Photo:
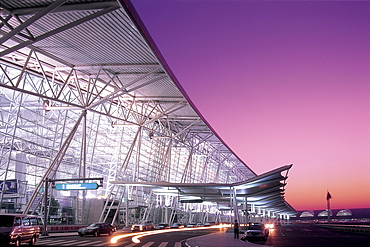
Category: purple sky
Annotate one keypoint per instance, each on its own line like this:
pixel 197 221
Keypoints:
pixel 281 82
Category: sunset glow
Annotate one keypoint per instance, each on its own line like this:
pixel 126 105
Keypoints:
pixel 282 82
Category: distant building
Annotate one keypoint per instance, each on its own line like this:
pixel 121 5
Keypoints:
pixel 355 215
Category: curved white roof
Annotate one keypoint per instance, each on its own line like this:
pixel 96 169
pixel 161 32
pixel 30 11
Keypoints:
pixel 102 50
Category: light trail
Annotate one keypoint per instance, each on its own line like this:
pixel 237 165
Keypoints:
pixel 135 236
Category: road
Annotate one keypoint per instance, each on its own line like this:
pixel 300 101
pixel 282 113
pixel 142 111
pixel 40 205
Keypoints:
pixel 166 239
pixel 310 235
pixel 285 236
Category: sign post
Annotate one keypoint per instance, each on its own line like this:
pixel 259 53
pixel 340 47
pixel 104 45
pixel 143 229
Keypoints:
pixel 66 186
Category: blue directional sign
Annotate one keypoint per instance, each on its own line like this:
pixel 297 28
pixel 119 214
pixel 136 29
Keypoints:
pixel 77 186
pixel 10 186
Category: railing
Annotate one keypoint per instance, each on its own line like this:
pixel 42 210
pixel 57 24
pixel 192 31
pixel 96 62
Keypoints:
pixel 343 227
pixel 62 228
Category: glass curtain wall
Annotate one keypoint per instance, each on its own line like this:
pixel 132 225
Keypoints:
pixel 70 143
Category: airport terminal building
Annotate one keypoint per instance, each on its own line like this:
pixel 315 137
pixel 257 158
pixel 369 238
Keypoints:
pixel 95 127
pixel 352 215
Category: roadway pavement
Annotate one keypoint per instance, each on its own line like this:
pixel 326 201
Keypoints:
pixel 219 239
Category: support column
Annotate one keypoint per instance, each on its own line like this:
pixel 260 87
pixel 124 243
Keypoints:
pixel 235 204
pixel 46 208
pixel 253 212
pixel 127 208
pixel 246 210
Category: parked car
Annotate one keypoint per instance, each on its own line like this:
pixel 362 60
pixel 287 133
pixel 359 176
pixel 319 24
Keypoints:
pixel 145 225
pixel 212 223
pixel 256 231
pixel 19 228
pixel 191 225
pixel 161 226
pixel 96 229
pixel 177 225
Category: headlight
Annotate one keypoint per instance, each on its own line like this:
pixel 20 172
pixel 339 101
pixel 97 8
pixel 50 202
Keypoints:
pixel 270 226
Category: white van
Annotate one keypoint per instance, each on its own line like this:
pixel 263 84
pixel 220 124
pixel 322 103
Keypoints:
pixel 19 228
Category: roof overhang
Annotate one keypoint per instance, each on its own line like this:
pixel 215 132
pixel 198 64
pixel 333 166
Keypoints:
pixel 265 191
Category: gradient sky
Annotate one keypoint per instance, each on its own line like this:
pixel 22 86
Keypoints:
pixel 282 82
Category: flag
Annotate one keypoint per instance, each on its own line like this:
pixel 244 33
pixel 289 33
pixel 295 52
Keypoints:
pixel 328 196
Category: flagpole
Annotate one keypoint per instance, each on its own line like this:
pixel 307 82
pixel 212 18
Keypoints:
pixel 328 196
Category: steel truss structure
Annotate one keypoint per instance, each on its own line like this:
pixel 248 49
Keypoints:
pixel 84 94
